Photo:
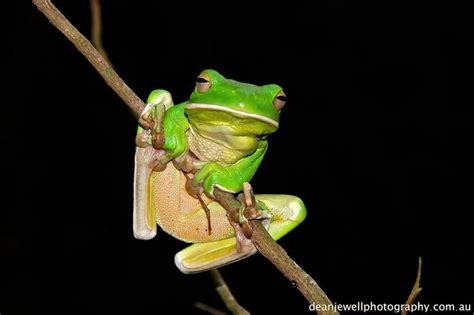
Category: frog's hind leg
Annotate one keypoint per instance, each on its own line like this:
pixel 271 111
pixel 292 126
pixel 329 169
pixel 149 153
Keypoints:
pixel 144 222
pixel 205 256
pixel 287 213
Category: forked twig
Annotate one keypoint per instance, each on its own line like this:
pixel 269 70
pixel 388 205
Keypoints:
pixel 221 286
pixel 279 257
pixel 226 295
pixel 260 237
pixel 134 103
pixel 96 29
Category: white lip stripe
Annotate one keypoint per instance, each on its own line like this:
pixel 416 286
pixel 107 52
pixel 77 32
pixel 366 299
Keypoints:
pixel 230 110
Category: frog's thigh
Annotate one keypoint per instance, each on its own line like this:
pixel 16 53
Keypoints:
pixel 287 213
pixel 205 256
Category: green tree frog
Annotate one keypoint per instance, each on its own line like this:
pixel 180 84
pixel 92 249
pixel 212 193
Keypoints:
pixel 215 139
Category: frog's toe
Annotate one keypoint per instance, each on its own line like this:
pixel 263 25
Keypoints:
pixel 205 256
pixel 146 118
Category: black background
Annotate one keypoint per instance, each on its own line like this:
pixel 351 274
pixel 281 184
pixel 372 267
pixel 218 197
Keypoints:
pixel 375 138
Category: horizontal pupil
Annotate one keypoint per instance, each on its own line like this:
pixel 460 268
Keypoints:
pixel 281 98
pixel 201 80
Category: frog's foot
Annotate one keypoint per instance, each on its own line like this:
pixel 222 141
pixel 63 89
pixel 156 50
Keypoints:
pixel 146 117
pixel 251 210
pixel 192 189
pixel 142 138
pixel 186 162
pixel 205 256
pixel 146 160
pixel 243 242
pixel 197 192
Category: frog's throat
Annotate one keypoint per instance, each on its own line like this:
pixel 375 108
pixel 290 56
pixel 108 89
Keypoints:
pixel 234 112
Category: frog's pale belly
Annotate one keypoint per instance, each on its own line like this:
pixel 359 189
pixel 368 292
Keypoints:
pixel 181 215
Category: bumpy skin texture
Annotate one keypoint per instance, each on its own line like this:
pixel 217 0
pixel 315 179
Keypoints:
pixel 231 178
pixel 224 126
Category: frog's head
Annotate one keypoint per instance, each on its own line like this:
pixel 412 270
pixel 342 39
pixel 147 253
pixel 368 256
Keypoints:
pixel 247 108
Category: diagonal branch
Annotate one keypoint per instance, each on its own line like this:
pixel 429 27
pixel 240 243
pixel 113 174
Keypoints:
pixel 98 62
pixel 279 257
pixel 260 237
pixel 221 286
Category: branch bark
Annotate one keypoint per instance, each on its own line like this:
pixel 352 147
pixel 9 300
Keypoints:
pixel 288 267
pixel 279 257
pixel 260 237
pixel 208 309
pixel 220 285
pixel 112 79
pixel 226 295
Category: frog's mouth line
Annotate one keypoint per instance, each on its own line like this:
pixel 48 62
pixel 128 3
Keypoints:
pixel 234 112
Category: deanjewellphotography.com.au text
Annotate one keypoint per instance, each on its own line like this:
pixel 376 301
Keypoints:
pixel 386 307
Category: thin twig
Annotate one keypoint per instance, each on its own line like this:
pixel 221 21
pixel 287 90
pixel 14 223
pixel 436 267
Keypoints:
pixel 414 292
pixel 278 257
pixel 209 309
pixel 226 295
pixel 134 103
pixel 262 240
pixel 96 29
pixel 221 286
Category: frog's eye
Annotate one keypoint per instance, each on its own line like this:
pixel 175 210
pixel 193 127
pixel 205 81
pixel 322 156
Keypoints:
pixel 279 101
pixel 203 82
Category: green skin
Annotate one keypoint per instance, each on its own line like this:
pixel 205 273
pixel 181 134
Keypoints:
pixel 225 126
pixel 259 119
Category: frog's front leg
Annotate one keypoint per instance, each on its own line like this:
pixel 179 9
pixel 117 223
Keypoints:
pixel 168 126
pixel 286 211
pixel 232 177
pixel 153 116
